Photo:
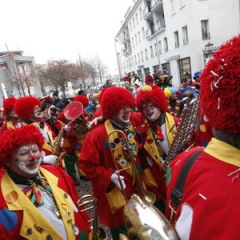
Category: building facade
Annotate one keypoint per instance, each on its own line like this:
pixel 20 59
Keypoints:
pixel 180 35
pixel 17 76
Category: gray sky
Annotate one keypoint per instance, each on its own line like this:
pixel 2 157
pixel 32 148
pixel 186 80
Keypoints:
pixel 62 29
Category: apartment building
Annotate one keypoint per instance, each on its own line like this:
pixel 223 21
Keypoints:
pixel 180 35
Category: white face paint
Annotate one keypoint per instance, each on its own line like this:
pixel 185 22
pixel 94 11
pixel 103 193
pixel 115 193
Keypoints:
pixel 36 113
pixel 26 160
pixel 123 115
pixel 151 112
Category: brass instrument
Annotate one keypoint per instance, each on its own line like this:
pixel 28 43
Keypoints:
pixel 80 128
pixel 57 149
pixel 89 202
pixel 121 142
pixel 142 220
pixel 184 135
pixel 73 111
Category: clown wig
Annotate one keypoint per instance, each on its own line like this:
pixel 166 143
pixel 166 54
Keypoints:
pixel 153 94
pixel 13 139
pixel 113 99
pixel 8 104
pixel 82 99
pixel 220 88
pixel 24 106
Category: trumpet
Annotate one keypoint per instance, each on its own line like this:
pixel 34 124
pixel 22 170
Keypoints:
pixel 142 220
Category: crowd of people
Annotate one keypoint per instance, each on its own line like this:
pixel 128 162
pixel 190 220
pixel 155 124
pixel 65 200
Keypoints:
pixel 119 140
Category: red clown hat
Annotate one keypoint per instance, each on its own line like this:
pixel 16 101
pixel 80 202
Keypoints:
pixel 25 105
pixel 220 88
pixel 113 99
pixel 11 140
pixel 8 104
pixel 153 94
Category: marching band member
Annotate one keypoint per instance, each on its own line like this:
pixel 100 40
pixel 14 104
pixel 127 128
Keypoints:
pixel 11 119
pixel 100 164
pixel 211 191
pixel 73 135
pixel 36 201
pixel 155 127
pixel 28 109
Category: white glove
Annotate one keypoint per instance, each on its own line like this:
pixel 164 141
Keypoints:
pixel 95 122
pixel 67 128
pixel 116 180
pixel 50 159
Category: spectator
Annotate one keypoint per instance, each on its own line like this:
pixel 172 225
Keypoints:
pixel 149 79
pixel 56 99
pixel 185 81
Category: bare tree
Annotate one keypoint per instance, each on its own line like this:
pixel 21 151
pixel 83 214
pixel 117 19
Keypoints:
pixel 101 68
pixel 59 72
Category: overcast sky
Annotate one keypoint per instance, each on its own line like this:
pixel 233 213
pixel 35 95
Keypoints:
pixel 62 29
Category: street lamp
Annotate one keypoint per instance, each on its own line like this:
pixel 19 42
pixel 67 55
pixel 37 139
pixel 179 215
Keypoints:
pixel 208 48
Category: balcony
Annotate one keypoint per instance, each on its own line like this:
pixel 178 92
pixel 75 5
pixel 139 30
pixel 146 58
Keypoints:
pixel 185 41
pixel 206 35
pixel 159 26
pixel 147 13
pixel 156 5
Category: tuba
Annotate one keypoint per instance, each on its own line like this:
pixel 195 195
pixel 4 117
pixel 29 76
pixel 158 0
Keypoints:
pixel 142 220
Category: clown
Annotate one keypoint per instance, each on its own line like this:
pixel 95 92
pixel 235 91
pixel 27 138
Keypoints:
pixel 155 127
pixel 28 109
pixel 11 118
pixel 99 163
pixel 73 139
pixel 36 201
pixel 211 190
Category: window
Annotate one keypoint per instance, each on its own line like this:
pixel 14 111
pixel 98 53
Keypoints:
pixel 160 47
pixel 151 51
pixel 146 54
pixel 142 56
pixel 136 39
pixel 136 18
pixel 135 57
pixel 184 66
pixel 133 42
pixel 205 29
pixel 155 49
pixel 133 22
pixel 165 44
pixel 176 39
pixel 138 58
pixel 185 34
pixel 143 33
pixel 140 13
pixel 139 37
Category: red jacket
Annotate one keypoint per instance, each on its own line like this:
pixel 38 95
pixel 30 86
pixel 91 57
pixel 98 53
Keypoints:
pixel 22 220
